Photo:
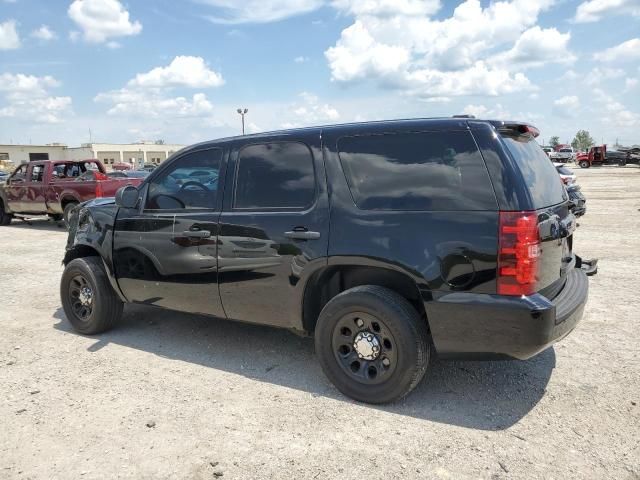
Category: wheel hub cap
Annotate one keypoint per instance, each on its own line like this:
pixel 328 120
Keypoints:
pixel 85 297
pixel 366 345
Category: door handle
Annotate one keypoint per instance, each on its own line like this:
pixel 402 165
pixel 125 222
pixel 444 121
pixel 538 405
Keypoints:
pixel 302 235
pixel 197 233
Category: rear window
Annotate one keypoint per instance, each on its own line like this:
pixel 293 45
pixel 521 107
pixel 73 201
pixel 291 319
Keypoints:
pixel 441 171
pixel 539 173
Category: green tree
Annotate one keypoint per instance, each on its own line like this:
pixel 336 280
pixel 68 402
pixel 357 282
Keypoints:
pixel 582 141
pixel 554 141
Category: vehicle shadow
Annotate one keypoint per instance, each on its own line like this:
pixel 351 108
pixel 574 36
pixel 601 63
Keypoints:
pixel 490 395
pixel 37 223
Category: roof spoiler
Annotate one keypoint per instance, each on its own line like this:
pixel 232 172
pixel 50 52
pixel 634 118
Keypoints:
pixel 521 128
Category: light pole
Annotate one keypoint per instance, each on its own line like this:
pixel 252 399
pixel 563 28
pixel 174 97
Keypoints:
pixel 242 113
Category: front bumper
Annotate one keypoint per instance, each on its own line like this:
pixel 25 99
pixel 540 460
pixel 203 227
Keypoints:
pixel 470 325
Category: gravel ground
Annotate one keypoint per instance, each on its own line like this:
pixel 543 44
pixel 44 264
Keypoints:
pixel 169 395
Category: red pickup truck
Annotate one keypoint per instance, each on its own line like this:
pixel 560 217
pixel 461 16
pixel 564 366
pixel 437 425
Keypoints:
pixel 53 188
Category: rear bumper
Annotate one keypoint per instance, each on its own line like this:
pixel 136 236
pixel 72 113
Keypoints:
pixel 469 325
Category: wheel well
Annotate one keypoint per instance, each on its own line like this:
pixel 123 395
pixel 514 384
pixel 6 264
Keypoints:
pixel 79 251
pixel 331 281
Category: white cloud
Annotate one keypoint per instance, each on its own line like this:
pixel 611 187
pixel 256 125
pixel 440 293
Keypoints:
pixel 149 94
pixel 566 106
pixel 44 33
pixel 184 71
pixel 9 39
pixel 301 59
pixel 27 97
pixel 310 111
pixel 259 11
pixel 101 20
pixel 476 51
pixel 481 111
pixel 597 75
pixel 537 47
pixel 388 7
pixel 152 103
pixel 594 10
pixel 630 83
pixel 629 50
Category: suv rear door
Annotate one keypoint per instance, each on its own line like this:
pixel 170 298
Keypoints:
pixel 273 227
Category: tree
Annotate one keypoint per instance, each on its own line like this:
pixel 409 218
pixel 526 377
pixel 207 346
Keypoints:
pixel 582 141
pixel 554 141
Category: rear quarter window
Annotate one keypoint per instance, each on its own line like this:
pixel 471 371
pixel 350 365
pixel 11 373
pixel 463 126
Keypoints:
pixel 539 174
pixel 436 171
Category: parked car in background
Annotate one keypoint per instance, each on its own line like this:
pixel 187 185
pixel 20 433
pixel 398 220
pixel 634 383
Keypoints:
pixel 577 199
pixel 601 155
pixel 566 174
pixel 563 155
pixel 431 243
pixel 50 187
pixel 128 174
pixel 121 166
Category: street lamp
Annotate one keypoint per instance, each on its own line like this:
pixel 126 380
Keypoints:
pixel 242 113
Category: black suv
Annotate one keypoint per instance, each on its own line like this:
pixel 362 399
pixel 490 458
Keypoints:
pixel 388 241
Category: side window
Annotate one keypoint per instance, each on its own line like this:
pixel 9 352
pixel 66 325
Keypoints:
pixel 416 171
pixel 20 174
pixel 275 176
pixel 37 172
pixel 191 182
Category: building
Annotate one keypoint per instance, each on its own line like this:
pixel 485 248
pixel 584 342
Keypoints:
pixel 134 154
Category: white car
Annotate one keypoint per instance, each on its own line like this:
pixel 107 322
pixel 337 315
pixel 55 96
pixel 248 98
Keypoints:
pixel 566 175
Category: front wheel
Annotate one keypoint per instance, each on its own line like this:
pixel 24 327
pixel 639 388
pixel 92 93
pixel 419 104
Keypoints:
pixel 372 344
pixel 66 214
pixel 89 302
pixel 584 164
pixel 5 218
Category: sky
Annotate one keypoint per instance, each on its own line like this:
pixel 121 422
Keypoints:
pixel 177 70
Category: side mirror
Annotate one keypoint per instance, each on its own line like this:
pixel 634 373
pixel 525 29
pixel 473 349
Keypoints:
pixel 127 197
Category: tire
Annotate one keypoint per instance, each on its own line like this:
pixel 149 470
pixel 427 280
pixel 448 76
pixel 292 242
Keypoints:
pixel 5 218
pixel 103 309
pixel 401 338
pixel 67 212
pixel 584 164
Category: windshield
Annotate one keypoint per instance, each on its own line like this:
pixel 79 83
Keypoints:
pixel 538 172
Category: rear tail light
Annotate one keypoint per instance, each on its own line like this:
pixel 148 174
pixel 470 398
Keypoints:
pixel 518 253
pixel 99 191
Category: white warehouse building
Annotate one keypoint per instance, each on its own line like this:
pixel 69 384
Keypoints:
pixel 134 154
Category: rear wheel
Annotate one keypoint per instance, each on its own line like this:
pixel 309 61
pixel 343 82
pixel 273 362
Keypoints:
pixel 584 164
pixel 89 302
pixel 372 344
pixel 67 212
pixel 5 218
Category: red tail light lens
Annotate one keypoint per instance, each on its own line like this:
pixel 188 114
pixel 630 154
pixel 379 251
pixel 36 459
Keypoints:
pixel 99 192
pixel 518 252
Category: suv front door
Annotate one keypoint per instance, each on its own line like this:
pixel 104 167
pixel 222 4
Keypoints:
pixel 274 228
pixel 165 250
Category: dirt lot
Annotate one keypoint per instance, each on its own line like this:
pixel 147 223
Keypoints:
pixel 169 395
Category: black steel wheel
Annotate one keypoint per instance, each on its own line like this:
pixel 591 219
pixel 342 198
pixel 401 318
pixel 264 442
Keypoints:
pixel 372 344
pixel 89 302
pixel 81 297
pixel 365 347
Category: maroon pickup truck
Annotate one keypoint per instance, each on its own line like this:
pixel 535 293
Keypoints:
pixel 54 187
